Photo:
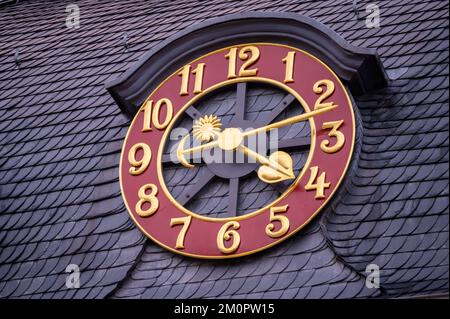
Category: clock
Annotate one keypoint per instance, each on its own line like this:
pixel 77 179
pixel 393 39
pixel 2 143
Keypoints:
pixel 237 150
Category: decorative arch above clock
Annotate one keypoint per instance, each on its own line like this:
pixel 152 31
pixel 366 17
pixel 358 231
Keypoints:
pixel 359 68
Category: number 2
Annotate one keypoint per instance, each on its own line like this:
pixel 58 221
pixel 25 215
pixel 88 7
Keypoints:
pixel 318 89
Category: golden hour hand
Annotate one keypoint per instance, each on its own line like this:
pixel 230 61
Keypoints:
pixel 276 168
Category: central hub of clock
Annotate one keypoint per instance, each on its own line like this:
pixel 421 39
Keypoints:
pixel 230 139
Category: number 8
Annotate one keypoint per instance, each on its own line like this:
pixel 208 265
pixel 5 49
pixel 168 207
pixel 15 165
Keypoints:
pixel 147 198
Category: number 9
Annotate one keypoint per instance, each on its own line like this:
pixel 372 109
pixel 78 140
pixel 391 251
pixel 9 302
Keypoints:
pixel 139 166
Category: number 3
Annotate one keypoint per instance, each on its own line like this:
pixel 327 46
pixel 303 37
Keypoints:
pixel 340 137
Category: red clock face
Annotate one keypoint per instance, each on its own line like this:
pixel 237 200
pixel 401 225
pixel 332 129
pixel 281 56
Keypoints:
pixel 237 150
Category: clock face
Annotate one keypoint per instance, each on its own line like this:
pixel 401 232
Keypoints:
pixel 237 150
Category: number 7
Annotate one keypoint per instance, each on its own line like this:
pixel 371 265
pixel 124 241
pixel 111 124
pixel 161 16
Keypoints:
pixel 185 221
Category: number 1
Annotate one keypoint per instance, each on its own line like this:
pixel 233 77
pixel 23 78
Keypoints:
pixel 289 61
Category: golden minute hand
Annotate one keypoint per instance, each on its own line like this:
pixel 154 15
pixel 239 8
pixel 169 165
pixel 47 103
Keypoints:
pixel 288 121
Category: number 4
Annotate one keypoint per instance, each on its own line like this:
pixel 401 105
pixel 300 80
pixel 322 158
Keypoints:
pixel 320 185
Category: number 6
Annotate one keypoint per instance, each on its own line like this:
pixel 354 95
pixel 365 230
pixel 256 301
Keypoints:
pixel 226 234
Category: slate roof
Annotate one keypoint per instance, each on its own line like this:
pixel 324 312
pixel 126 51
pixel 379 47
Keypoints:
pixel 61 135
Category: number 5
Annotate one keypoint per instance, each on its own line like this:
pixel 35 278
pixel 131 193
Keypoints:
pixel 283 220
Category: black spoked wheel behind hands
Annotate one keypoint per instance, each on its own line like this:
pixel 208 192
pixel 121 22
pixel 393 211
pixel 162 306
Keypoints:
pixel 226 189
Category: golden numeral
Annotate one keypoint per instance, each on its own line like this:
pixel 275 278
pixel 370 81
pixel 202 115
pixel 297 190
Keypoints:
pixel 139 166
pixel 320 185
pixel 147 198
pixel 250 60
pixel 198 72
pixel 283 220
pixel 231 56
pixel 289 61
pixel 152 114
pixel 185 221
pixel 317 88
pixel 340 137
pixel 185 72
pixel 225 235
pixel 249 54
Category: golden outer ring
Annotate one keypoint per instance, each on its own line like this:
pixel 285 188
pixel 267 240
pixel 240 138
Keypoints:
pixel 282 238
pixel 199 96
